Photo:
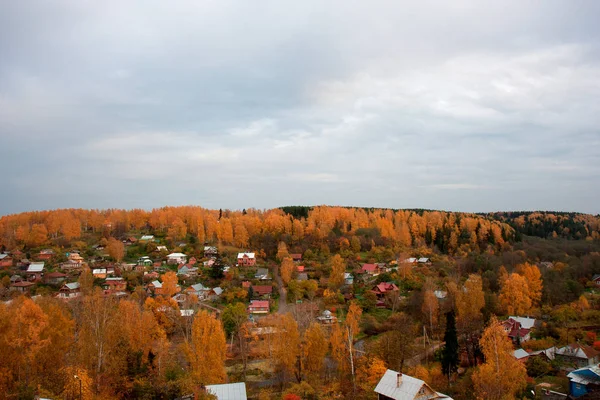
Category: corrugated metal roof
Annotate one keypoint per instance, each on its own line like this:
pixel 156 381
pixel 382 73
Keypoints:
pixel 407 390
pixel 36 267
pixel 228 391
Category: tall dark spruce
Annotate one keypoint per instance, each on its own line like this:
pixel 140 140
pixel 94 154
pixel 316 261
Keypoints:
pixel 450 351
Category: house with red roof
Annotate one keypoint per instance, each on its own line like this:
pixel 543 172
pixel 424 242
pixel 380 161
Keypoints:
pixel 258 307
pixel 264 291
pixel 370 269
pixel 385 287
pixel 515 329
pixel 297 257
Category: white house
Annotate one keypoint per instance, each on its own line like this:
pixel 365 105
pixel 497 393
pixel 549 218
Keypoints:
pixel 228 391
pixel 176 258
pixel 397 386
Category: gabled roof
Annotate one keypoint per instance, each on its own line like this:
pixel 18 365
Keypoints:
pixel 423 260
pixel 520 353
pixel 407 390
pixel 99 271
pixel 577 350
pixel 586 375
pixel 35 267
pixel 369 267
pixel 242 255
pixel 259 303
pixel 72 285
pixel 525 322
pixel 218 291
pixel 303 276
pixel 22 284
pixel 262 289
pixel 157 284
pixel 55 274
pixel 228 391
pixel 596 277
pixel 3 256
pixel 198 287
pixel 176 255
pixel 147 237
pixel 386 286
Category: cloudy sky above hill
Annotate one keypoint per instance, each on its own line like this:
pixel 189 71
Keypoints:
pixel 461 105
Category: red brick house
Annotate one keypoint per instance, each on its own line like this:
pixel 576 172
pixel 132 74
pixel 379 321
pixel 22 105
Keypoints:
pixel 246 259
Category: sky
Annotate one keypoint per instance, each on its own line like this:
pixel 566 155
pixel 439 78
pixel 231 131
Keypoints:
pixel 461 105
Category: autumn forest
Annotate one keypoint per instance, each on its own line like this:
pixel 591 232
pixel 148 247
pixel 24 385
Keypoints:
pixel 296 302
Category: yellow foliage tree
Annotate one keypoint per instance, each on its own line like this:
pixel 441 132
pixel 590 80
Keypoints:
pixel 514 295
pixel 338 267
pixel 206 350
pixel 287 269
pixel 501 377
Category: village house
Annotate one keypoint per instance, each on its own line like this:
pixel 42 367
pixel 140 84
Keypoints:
pixel 383 288
pixel 114 285
pixel 348 278
pixel 262 274
pixel 74 261
pixel 45 254
pixel 296 257
pixel 585 380
pixel 99 273
pixel 69 291
pixel 302 277
pixel 521 355
pixel 22 286
pixel 210 251
pixel 300 268
pixel 162 248
pixel 199 290
pixel 262 291
pixel 228 391
pixel 145 261
pixel 518 328
pixel 596 280
pixel 176 258
pixel 397 386
pixel 370 269
pixel 327 318
pixel 35 271
pixel 578 355
pixel 246 259
pixel 258 307
pixel 186 271
pixel 423 260
pixel 54 278
pixel 147 238
pixel 410 260
pixel 155 287
pixel 6 261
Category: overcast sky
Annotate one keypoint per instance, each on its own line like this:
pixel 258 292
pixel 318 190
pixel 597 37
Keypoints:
pixel 457 105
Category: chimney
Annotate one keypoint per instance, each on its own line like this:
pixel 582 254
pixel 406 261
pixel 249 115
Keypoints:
pixel 399 379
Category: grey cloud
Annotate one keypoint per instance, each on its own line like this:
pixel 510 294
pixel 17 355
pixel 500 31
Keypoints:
pixel 468 105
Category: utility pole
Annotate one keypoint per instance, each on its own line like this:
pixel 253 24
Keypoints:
pixel 80 387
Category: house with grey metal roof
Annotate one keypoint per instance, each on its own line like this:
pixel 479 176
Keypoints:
pixel 398 386
pixel 228 391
